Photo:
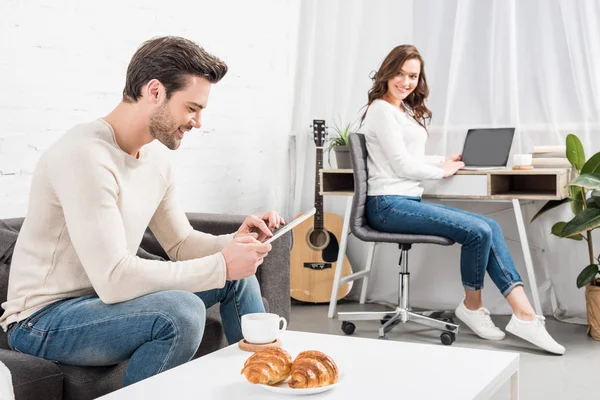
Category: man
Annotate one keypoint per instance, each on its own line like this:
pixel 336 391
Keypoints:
pixel 77 293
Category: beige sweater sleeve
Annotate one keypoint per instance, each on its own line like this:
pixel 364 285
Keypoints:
pixel 88 193
pixel 175 234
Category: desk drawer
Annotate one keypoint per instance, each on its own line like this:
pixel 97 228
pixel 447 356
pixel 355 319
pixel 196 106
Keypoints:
pixel 458 186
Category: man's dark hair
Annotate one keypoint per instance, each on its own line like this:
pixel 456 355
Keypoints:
pixel 172 60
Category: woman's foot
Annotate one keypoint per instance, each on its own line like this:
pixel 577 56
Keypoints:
pixel 479 321
pixel 534 332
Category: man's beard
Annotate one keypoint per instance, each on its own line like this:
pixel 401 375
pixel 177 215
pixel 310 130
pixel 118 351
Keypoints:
pixel 163 129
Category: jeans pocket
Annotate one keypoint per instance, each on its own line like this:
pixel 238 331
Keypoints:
pixel 378 211
pixel 33 319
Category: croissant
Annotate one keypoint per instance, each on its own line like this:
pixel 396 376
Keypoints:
pixel 313 369
pixel 268 366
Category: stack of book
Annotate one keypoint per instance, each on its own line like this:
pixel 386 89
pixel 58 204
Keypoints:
pixel 550 157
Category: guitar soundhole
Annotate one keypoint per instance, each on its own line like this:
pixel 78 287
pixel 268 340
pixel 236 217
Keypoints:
pixel 318 239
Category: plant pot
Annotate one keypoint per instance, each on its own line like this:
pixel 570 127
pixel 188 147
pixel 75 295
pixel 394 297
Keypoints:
pixel 592 301
pixel 342 157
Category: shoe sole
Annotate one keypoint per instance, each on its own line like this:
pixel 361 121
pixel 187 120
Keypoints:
pixel 456 312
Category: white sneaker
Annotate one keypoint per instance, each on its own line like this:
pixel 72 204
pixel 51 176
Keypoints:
pixel 534 332
pixel 479 321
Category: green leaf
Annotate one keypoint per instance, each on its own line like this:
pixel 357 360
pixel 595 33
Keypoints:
pixel 575 152
pixel 558 227
pixel 576 199
pixel 588 181
pixel 549 206
pixel 592 165
pixel 593 201
pixel 584 221
pixel 587 275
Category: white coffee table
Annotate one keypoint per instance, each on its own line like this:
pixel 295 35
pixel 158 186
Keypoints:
pixel 368 368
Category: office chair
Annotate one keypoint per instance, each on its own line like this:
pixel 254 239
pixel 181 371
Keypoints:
pixel 361 230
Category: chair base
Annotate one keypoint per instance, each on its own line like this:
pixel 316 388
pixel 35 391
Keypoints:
pixel 402 313
pixel 390 319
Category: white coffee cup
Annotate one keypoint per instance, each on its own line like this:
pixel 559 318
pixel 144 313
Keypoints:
pixel 261 328
pixel 522 159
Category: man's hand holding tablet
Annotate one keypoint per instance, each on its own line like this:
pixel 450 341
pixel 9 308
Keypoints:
pixel 291 225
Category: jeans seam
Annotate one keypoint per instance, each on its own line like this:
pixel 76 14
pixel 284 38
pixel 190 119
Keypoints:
pixel 235 303
pixel 508 278
pixel 104 320
pixel 381 217
pixel 173 343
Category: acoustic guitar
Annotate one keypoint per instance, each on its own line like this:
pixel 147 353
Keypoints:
pixel 316 243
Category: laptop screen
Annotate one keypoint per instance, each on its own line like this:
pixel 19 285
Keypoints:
pixel 487 147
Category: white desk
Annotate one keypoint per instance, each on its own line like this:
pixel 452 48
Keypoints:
pixel 369 368
pixel 487 185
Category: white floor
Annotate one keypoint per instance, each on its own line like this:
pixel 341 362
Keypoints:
pixel 573 376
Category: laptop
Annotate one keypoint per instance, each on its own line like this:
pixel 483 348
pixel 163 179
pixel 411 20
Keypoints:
pixel 487 148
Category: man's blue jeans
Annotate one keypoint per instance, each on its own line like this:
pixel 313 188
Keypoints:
pixel 154 332
pixel 483 245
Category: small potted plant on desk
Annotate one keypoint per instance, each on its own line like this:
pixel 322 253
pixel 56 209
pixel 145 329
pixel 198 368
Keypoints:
pixel 339 144
pixel 584 199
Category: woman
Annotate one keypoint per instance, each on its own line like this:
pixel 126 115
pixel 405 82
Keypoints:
pixel 395 133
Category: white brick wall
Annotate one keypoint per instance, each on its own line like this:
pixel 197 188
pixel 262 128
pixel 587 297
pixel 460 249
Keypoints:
pixel 62 63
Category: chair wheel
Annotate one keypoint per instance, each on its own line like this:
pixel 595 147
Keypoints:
pixel 348 327
pixel 385 319
pixel 447 338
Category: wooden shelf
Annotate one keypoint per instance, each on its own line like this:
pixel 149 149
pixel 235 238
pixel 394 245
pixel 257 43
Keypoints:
pixel 338 182
pixel 501 184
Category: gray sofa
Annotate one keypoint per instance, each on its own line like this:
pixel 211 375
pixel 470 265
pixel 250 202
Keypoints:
pixel 35 378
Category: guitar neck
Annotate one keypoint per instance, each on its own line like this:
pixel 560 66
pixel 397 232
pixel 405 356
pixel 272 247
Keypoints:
pixel 318 197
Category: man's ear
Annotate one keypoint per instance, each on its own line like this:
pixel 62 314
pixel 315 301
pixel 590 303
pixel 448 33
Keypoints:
pixel 155 91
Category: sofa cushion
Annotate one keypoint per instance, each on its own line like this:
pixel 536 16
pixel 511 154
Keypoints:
pixel 32 377
pixel 4 271
pixel 83 383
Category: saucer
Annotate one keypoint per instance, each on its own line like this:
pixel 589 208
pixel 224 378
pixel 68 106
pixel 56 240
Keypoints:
pixel 252 347
pixel 283 388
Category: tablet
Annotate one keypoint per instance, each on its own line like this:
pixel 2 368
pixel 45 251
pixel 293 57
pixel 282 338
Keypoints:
pixel 291 225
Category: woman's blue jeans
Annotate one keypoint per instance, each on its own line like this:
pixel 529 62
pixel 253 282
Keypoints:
pixel 483 245
pixel 154 332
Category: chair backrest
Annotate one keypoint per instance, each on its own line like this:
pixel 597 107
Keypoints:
pixel 358 153
pixel 358 215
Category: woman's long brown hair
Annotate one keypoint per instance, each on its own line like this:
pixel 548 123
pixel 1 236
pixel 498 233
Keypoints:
pixel 391 67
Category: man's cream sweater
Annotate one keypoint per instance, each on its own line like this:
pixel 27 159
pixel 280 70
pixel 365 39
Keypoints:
pixel 90 203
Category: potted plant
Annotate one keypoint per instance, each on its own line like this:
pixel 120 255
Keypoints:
pixel 339 143
pixel 584 199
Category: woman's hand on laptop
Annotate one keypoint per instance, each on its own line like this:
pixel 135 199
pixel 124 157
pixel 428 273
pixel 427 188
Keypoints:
pixel 450 167
pixel 454 157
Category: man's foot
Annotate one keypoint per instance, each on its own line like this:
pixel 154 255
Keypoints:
pixel 479 321
pixel 534 332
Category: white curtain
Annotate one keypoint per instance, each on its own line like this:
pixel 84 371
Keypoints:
pixel 528 64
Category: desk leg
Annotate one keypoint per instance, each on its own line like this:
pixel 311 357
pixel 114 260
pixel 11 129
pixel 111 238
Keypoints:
pixel 527 256
pixel 339 266
pixel 514 386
